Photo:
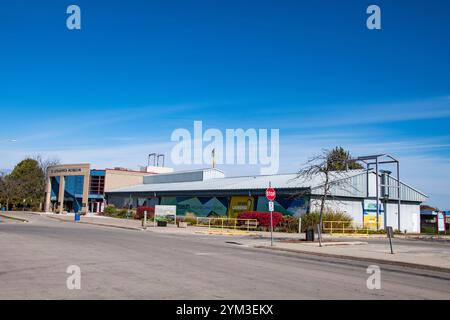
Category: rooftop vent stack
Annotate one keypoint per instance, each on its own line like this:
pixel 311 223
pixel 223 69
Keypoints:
pixel 160 156
pixel 385 183
pixel 154 159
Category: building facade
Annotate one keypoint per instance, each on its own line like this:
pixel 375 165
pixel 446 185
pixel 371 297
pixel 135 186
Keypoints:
pixel 78 188
pixel 209 193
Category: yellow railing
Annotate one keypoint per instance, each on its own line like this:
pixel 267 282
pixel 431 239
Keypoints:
pixel 227 223
pixel 343 227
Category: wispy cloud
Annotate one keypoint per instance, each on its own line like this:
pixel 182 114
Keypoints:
pixel 326 116
pixel 75 123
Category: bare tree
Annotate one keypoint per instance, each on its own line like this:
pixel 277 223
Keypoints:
pixel 44 163
pixel 321 169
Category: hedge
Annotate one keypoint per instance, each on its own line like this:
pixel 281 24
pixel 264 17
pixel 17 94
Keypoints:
pixel 262 217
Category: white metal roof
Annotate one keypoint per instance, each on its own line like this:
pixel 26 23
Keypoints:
pixel 357 181
pixel 280 181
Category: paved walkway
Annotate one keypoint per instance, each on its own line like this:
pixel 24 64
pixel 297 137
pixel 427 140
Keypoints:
pixel 407 255
pixel 422 254
pixel 99 220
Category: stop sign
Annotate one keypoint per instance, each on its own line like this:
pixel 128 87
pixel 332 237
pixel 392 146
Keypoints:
pixel 270 194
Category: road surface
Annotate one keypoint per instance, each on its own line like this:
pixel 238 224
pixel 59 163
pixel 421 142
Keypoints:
pixel 126 264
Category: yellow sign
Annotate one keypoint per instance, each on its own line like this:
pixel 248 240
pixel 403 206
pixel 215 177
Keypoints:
pixel 238 205
pixel 370 222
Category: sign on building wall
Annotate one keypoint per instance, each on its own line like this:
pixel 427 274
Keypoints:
pixel 240 204
pixel 68 170
pixel 370 214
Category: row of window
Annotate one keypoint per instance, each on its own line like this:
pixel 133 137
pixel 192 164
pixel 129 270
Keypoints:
pixel 97 185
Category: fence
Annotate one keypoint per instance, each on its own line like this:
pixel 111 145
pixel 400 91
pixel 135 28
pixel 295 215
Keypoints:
pixel 343 227
pixel 233 223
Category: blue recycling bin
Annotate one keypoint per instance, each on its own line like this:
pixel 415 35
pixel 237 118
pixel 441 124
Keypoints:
pixel 77 217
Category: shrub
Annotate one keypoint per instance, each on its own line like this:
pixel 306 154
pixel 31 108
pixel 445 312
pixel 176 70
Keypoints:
pixel 313 218
pixel 288 224
pixel 190 218
pixel 262 217
pixel 140 212
pixel 110 210
pixel 213 215
pixel 122 213
pixel 180 219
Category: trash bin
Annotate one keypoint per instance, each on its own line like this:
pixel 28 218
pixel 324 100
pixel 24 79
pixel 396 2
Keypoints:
pixel 309 234
pixel 77 217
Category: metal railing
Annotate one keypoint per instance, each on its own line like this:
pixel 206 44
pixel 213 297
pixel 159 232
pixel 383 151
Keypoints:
pixel 343 228
pixel 227 223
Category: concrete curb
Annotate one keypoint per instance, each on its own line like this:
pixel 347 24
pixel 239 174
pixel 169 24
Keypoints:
pixel 380 261
pixel 13 218
pixel 97 224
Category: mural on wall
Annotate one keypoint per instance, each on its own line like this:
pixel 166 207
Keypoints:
pixel 200 206
pixel 287 206
pixel 240 204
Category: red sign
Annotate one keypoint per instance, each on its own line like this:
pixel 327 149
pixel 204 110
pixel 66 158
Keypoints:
pixel 270 194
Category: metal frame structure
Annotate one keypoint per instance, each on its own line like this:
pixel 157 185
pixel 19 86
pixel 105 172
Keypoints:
pixel 377 160
pixel 154 159
pixel 160 156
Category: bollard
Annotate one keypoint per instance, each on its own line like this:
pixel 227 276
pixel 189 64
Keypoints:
pixel 144 222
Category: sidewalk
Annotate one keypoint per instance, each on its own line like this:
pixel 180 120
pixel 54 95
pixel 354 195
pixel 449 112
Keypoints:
pixel 130 224
pixel 133 224
pixel 404 255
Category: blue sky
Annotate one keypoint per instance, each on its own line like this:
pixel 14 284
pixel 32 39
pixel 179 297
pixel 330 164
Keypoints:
pixel 115 90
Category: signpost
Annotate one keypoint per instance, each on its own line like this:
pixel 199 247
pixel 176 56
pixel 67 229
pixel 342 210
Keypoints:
pixel 144 222
pixel 390 234
pixel 271 195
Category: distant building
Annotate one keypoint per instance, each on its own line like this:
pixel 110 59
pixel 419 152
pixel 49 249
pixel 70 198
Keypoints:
pixel 77 188
pixel 434 221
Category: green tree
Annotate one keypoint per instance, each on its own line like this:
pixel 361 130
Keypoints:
pixel 28 178
pixel 339 159
pixel 24 186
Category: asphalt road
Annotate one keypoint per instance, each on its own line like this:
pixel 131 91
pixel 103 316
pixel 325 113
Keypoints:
pixel 126 264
